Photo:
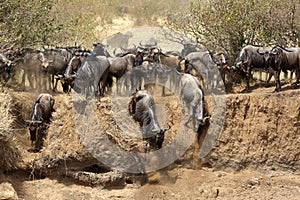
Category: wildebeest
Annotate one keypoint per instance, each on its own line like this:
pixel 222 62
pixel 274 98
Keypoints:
pixel 119 66
pixel 68 78
pixel 163 61
pixel 40 116
pixel 100 50
pixel 221 60
pixel 202 65
pixel 142 109
pixel 5 67
pixel 93 70
pixel 31 65
pixel 55 62
pixel 192 95
pixel 285 59
pixel 250 58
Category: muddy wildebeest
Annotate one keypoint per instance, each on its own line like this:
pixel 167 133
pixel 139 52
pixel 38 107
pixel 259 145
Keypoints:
pixel 5 67
pixel 40 116
pixel 192 95
pixel 93 71
pixel 285 59
pixel 142 109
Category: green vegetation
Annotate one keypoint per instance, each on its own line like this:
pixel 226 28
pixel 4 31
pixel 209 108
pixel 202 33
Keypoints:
pixel 225 25
pixel 36 23
pixel 228 25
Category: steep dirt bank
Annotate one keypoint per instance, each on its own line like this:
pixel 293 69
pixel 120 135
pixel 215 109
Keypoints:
pixel 261 132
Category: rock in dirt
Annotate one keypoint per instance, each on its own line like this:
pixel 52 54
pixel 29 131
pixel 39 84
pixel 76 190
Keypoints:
pixel 7 192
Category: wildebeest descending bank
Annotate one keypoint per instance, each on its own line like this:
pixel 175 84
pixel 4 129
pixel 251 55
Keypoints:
pixel 40 115
pixel 192 96
pixel 142 108
pixel 93 71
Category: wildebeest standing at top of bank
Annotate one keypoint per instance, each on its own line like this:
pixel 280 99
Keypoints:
pixel 119 66
pixel 91 74
pixel 249 58
pixel 55 62
pixel 142 108
pixel 40 116
pixel 68 78
pixel 285 59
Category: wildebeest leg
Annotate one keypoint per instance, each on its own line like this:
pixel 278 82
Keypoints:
pixel 269 75
pixel 297 77
pixel 191 115
pixel 277 79
pixel 163 91
pixel 56 80
pixel 248 78
pixel 52 83
pixel 291 76
pixel 39 139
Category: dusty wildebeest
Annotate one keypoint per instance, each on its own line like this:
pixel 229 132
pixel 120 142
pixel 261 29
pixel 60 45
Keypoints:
pixel 142 109
pixel 91 74
pixel 192 95
pixel 40 116
pixel 31 67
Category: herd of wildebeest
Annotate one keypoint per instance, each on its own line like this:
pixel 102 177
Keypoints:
pixel 190 75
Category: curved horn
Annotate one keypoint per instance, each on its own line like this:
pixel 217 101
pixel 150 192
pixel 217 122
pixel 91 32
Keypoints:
pixel 261 53
pixel 278 46
pixel 141 43
pixel 33 121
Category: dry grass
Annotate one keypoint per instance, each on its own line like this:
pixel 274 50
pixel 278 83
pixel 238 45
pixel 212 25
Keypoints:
pixel 8 148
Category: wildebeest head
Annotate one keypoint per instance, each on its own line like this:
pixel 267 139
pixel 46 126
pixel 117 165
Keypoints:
pixel 100 49
pixel 139 58
pixel 142 108
pixel 33 126
pixel 160 138
pixel 221 60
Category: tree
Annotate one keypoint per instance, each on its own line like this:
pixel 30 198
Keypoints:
pixel 228 25
pixel 27 23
